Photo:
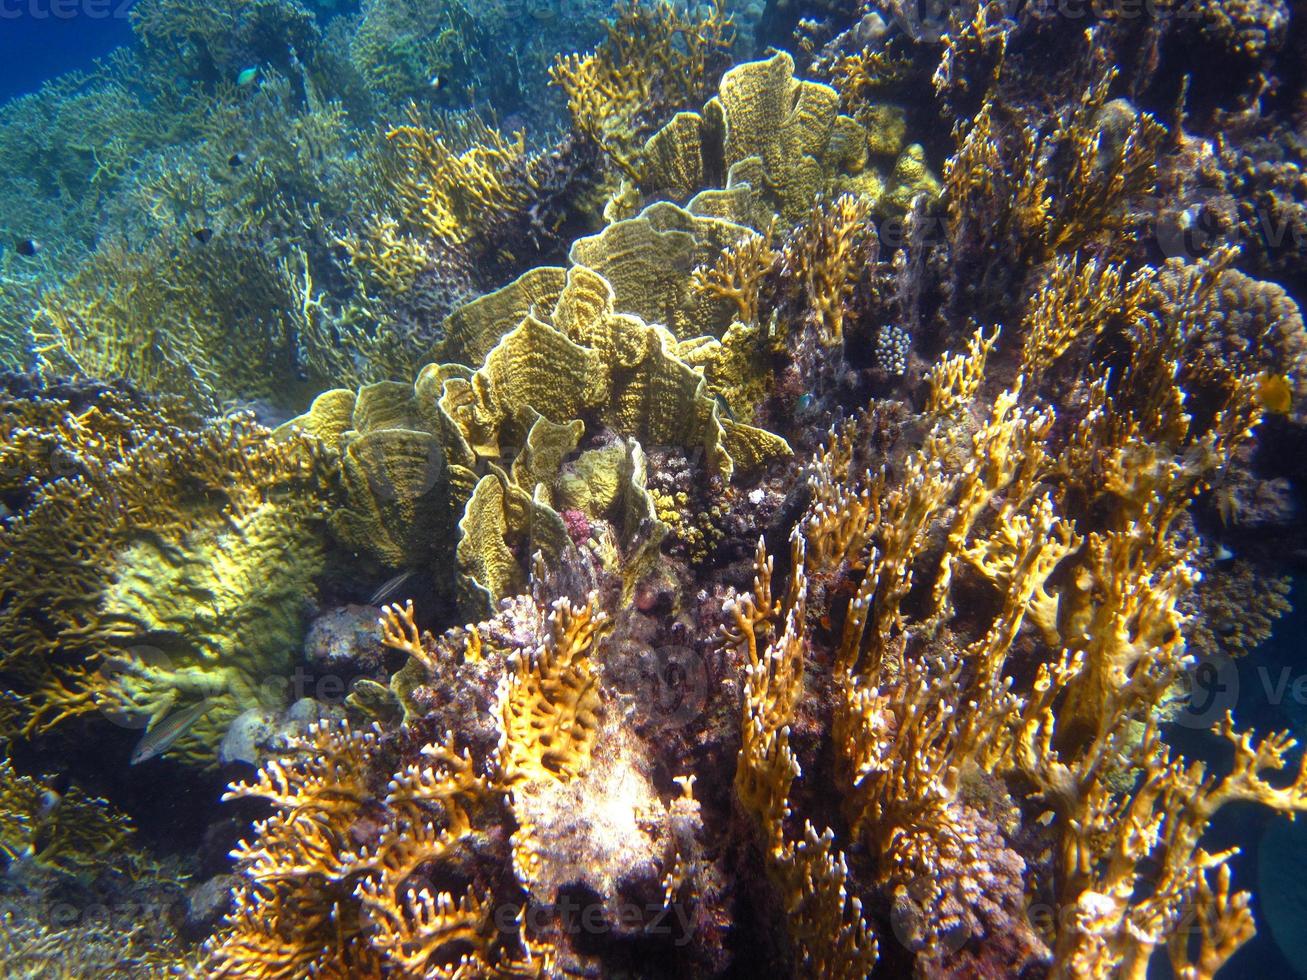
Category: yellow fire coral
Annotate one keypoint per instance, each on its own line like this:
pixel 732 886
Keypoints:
pixel 1063 187
pixel 448 193
pixel 926 703
pixel 825 923
pixel 548 701
pixel 737 275
pixel 827 255
pixel 654 60
pixel 318 901
pixel 73 831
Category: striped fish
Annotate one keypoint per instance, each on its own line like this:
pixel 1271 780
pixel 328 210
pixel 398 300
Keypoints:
pixel 161 738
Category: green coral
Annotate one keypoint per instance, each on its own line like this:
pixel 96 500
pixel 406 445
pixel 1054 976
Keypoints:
pixel 151 561
pixel 218 614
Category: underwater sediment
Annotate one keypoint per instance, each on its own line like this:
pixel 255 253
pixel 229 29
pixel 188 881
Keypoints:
pixel 665 490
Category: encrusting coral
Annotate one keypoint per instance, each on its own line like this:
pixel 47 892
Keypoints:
pixel 152 561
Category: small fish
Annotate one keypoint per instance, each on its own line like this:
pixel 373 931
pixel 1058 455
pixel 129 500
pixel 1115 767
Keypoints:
pixel 247 77
pixel 389 588
pixel 438 82
pixel 805 402
pixel 161 738
pixel 1275 394
pixel 28 247
pixel 202 235
pixel 235 160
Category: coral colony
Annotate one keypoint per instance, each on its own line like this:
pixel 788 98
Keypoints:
pixel 538 490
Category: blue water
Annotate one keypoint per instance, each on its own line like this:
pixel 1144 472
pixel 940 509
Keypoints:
pixel 40 39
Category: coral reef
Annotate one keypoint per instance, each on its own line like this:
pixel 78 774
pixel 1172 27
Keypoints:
pixel 715 513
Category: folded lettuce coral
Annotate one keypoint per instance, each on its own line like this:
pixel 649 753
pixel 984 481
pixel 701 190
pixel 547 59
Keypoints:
pixel 558 358
pixel 783 137
pixel 403 490
pixel 556 500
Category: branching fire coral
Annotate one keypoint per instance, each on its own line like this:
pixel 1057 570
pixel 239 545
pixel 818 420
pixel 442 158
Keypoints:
pixel 451 194
pixel 738 274
pixel 944 700
pixel 828 255
pixel 322 900
pixel 654 61
pixel 925 703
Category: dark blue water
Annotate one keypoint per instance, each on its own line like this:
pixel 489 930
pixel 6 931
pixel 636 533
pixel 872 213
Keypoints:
pixel 40 39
